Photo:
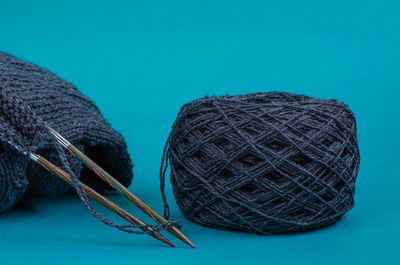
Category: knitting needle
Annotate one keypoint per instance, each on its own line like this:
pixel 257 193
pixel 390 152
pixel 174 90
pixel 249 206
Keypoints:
pixel 98 197
pixel 117 185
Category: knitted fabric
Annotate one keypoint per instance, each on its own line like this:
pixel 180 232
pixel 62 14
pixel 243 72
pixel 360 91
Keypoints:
pixel 32 97
pixel 264 163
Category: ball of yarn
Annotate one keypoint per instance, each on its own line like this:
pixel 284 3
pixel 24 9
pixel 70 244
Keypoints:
pixel 265 162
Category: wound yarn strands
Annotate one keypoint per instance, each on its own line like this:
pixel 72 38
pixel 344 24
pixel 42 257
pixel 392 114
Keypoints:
pixel 265 163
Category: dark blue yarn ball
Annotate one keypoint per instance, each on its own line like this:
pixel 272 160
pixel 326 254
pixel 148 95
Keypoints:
pixel 264 163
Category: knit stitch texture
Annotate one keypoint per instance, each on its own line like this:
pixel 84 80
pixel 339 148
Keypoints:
pixel 31 97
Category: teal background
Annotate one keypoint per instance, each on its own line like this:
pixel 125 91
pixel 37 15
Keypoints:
pixel 140 61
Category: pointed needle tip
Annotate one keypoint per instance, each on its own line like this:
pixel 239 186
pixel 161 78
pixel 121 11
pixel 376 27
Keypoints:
pixel 178 233
pixel 171 245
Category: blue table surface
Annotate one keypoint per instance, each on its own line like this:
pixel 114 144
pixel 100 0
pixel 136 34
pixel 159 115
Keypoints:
pixel 140 61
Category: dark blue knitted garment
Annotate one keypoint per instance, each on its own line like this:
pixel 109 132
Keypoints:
pixel 31 97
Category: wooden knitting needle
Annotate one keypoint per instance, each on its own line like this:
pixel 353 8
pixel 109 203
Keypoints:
pixel 98 197
pixel 118 186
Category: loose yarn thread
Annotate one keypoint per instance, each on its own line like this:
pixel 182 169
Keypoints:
pixel 16 110
pixel 265 163
pixel 31 98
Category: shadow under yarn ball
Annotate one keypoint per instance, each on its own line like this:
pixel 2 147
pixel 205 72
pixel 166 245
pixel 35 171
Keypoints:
pixel 265 162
